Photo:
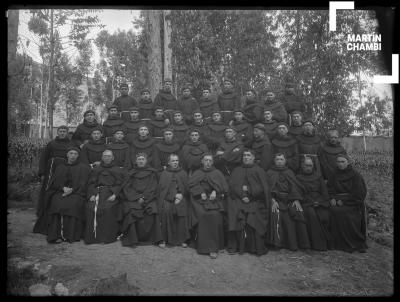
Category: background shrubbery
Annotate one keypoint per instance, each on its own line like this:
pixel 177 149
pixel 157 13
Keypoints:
pixel 23 164
pixel 376 162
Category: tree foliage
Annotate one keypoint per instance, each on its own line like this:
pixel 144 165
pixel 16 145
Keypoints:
pixel 122 58
pixel 210 45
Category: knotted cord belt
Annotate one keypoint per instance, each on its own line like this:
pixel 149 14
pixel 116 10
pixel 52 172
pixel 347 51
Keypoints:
pixel 51 170
pixel 95 209
pixel 62 228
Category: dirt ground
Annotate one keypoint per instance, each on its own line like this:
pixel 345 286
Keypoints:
pixel 151 270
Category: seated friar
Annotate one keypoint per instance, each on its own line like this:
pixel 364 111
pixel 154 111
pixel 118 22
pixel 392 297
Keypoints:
pixel 103 208
pixel 315 204
pixel 208 191
pixel 140 217
pixel 347 191
pixel 173 204
pixel 67 196
pixel 248 208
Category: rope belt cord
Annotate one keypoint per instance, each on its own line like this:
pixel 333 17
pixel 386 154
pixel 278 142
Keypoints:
pixel 97 198
pixel 62 228
pixel 50 174
pixel 277 228
pixel 95 214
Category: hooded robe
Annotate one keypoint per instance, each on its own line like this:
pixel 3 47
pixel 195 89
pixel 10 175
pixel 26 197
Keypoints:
pixel 124 103
pixel 167 101
pixel 327 157
pixel 103 216
pixel 111 124
pixel 173 217
pixel 121 153
pixel 66 214
pixel 206 220
pixel 288 146
pixel 53 154
pixel 140 222
pixel 164 149
pixel 348 222
pixel 316 206
pixel 83 131
pixel 248 222
pixel 187 105
pixel 228 101
pixel 277 109
pixel 192 154
pixel 207 107
pixel 253 111
pixel 288 227
pixel 92 151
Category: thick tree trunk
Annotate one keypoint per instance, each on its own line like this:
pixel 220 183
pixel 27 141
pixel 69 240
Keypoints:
pixel 12 21
pixel 50 106
pixel 154 51
pixel 12 31
pixel 167 45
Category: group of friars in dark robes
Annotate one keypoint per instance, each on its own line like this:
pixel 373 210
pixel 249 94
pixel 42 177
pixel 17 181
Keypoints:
pixel 183 173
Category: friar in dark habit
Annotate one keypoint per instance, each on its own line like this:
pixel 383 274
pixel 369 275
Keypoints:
pixel 229 152
pixel 208 190
pixel 141 221
pixel 158 123
pixel 120 149
pixel 283 143
pixel 216 131
pixel 193 151
pixel 173 204
pixel 131 127
pixel 187 104
pixel 112 122
pixel 103 210
pixel 296 123
pixel 291 101
pixel 166 99
pixel 269 123
pixel 249 208
pixel 144 143
pixel 272 103
pixel 287 228
pixel 167 146
pixel 124 102
pixel 92 151
pixel 228 100
pixel 243 128
pixel 330 148
pixel 145 105
pixel 200 124
pixel 252 107
pixel 180 127
pixel 53 154
pixel 83 132
pixel 207 104
pixel 347 192
pixel 67 196
pixel 309 143
pixel 262 147
pixel 315 204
